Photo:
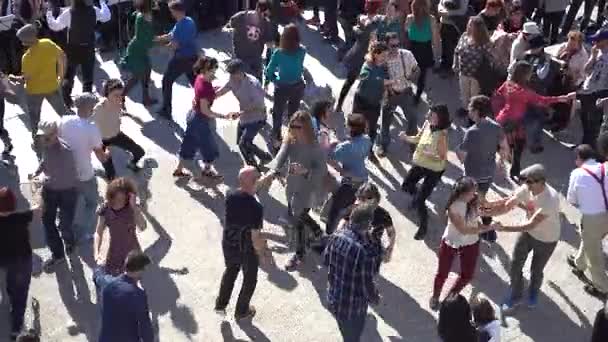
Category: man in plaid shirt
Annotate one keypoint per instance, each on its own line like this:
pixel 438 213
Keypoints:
pixel 353 259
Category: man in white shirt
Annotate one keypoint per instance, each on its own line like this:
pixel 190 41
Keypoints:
pixel 402 68
pixel 539 235
pixel 520 44
pixel 84 137
pixel 588 191
pixel 80 20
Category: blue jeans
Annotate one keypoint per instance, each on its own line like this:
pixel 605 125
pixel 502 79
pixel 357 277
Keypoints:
pixel 18 277
pixel 534 120
pixel 245 134
pixel 351 329
pixel 87 218
pixel 60 203
pixel 199 137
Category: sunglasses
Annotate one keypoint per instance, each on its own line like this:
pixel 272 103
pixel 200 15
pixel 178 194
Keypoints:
pixel 295 126
pixel 494 4
pixel 394 46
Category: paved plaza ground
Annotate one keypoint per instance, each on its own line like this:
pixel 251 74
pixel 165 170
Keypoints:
pixel 184 233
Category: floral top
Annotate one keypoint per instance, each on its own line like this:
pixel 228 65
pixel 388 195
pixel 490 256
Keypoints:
pixel 468 56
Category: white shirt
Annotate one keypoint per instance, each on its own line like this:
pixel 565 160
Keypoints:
pixel 518 49
pixel 84 137
pixel 549 230
pixel 65 18
pixel 452 236
pixel 597 79
pixel 584 192
pixel 396 64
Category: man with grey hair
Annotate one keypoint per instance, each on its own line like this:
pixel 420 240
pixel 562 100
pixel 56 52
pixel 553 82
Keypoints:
pixel 539 234
pixel 252 115
pixel 84 137
pixel 59 192
pixel 353 258
pixel 42 68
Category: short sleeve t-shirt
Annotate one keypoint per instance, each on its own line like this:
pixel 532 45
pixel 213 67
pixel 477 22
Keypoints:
pixel 480 143
pixel 83 137
pixel 39 65
pixel 184 34
pixel 203 89
pixel 15 239
pixel 251 32
pixel 452 236
pixel 381 220
pixel 549 229
pixel 250 94
pixel 243 214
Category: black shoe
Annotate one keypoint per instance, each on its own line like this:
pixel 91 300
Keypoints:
pixel 49 264
pixel 420 234
pixel 595 292
pixel 381 152
pixel 372 158
pixel 247 315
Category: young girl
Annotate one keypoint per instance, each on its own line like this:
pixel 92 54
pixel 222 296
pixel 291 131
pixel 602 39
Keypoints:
pixel 461 237
pixel 120 214
pixel 106 116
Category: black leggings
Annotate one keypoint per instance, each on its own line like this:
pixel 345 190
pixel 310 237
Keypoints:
pixel 342 198
pixel 303 223
pixel 350 80
pixel 123 141
pixel 371 112
pixel 429 179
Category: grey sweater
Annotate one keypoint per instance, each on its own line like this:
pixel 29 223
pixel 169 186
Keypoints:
pixel 301 189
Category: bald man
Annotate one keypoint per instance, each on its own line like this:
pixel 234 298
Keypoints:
pixel 242 242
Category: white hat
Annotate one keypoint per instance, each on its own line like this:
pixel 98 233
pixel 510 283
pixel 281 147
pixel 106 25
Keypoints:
pixel 531 28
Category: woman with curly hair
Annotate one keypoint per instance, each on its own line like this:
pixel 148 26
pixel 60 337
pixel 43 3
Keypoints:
pixel 121 215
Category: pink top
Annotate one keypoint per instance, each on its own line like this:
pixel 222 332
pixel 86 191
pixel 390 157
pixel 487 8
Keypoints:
pixel 516 100
pixel 203 89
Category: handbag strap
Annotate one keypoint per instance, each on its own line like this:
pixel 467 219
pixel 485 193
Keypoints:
pixel 600 180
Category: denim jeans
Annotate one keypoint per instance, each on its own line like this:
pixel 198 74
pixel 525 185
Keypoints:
pixel 248 262
pixel 245 134
pixel 285 95
pixel 371 112
pixel 388 109
pixel 534 120
pixel 123 141
pixel 18 277
pixel 199 137
pixel 60 203
pixel 34 105
pixel 6 140
pixel 352 328
pixel 176 67
pixel 86 215
pixel 541 252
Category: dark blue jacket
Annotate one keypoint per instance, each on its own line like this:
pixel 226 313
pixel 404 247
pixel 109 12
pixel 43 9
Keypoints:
pixel 124 309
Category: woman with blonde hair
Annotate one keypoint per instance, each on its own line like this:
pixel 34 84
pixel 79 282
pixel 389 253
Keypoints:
pixel 306 169
pixel 573 53
pixel 474 46
pixel 423 38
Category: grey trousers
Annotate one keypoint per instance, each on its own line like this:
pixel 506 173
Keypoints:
pixel 542 251
pixel 388 109
pixel 34 105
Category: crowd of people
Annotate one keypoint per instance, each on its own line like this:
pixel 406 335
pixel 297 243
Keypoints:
pixel 511 89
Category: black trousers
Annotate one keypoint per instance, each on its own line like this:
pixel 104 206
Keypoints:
pixel 331 17
pixel 176 67
pixel 116 30
pixel 575 5
pixel 517 147
pixel 371 112
pixel 551 22
pixel 449 40
pixel 82 56
pixel 123 141
pixel 342 198
pixel 591 115
pixel 348 83
pixel 429 179
pixel 10 53
pixel 235 262
pixel 304 225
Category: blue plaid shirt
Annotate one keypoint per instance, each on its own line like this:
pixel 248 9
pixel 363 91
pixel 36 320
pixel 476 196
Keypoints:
pixel 353 263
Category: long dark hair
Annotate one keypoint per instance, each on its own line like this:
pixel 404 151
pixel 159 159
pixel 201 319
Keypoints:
pixel 454 324
pixel 443 116
pixel 462 186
